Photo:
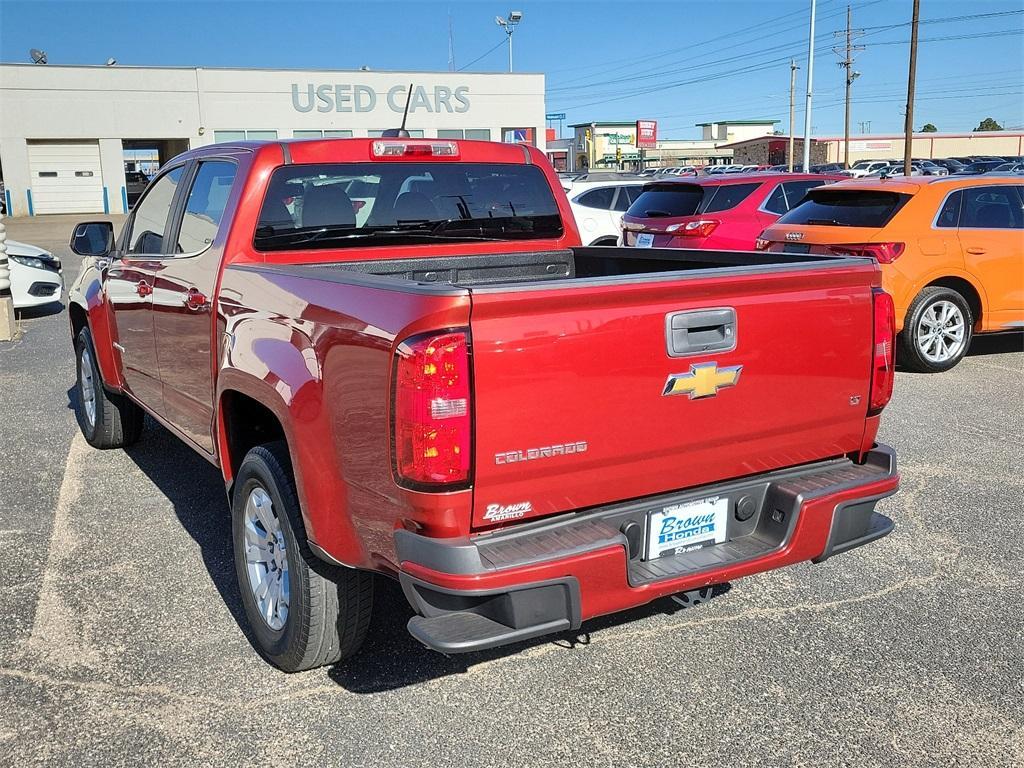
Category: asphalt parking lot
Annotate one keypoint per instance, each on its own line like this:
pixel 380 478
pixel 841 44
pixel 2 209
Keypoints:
pixel 123 640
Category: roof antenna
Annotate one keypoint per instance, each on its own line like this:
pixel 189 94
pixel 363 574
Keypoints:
pixel 399 133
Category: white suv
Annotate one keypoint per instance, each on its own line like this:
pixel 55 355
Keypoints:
pixel 598 207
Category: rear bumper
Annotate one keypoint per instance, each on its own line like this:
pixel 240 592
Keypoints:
pixel 483 591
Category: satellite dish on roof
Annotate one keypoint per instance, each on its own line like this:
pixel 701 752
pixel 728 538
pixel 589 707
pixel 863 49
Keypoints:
pixel 111 62
pixel 38 57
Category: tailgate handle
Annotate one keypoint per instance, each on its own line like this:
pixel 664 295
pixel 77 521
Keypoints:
pixel 700 331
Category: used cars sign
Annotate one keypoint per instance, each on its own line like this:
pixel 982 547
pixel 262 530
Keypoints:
pixel 348 97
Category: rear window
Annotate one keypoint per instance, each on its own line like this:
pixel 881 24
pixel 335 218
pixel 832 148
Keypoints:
pixel 662 200
pixel 340 205
pixel 851 208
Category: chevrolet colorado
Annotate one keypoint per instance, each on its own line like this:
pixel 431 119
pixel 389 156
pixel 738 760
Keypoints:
pixel 402 362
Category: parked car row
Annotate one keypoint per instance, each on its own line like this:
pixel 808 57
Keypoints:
pixel 951 247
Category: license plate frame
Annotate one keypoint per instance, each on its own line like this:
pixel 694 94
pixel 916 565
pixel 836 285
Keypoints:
pixel 685 527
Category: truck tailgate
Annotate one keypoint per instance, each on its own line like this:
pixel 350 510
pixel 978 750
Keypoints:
pixel 570 384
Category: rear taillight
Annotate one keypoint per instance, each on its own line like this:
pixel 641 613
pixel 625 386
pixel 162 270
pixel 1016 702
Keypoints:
pixel 883 253
pixel 761 244
pixel 699 228
pixel 432 427
pixel 883 369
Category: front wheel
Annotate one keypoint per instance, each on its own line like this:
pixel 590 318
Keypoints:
pixel 107 419
pixel 937 331
pixel 303 612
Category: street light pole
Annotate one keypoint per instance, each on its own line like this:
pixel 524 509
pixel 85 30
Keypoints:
pixel 792 109
pixel 509 25
pixel 7 326
pixel 810 84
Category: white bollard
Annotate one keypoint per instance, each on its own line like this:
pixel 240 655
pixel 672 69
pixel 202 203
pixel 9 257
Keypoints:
pixel 7 326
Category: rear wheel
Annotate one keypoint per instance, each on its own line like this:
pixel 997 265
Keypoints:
pixel 937 331
pixel 107 419
pixel 303 612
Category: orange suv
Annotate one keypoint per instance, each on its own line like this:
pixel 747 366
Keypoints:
pixel 951 251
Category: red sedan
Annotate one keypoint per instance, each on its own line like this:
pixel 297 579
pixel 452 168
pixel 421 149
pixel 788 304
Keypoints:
pixel 721 212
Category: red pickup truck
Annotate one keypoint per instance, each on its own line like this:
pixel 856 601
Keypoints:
pixel 403 362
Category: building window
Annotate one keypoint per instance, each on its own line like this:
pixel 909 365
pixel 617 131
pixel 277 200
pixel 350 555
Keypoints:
pixel 224 136
pixel 345 134
pixel 476 134
pixel 417 134
pixel 219 137
pixel 518 136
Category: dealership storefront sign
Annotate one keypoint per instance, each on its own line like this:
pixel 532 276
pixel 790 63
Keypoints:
pixel 354 97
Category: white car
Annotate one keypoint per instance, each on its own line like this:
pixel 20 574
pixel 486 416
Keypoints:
pixel 598 206
pixel 866 168
pixel 36 277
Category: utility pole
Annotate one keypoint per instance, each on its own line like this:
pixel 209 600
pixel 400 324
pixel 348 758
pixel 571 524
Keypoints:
pixel 810 84
pixel 908 127
pixel 847 64
pixel 792 108
pixel 7 326
pixel 451 44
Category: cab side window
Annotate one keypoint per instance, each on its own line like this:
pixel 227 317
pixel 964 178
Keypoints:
pixel 949 215
pixel 205 207
pixel 151 220
pixel 995 207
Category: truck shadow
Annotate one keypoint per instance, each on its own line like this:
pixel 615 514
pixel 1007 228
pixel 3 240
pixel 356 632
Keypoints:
pixel 996 344
pixel 390 658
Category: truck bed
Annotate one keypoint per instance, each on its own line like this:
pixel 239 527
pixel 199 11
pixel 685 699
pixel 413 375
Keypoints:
pixel 585 263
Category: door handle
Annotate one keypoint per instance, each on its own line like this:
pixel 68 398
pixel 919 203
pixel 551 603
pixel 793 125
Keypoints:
pixel 143 288
pixel 196 301
pixel 975 250
pixel 700 331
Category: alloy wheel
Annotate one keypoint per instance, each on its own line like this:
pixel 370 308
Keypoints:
pixel 941 332
pixel 266 559
pixel 88 386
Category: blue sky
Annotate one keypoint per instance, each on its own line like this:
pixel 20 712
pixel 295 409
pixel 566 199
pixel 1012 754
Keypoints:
pixel 677 61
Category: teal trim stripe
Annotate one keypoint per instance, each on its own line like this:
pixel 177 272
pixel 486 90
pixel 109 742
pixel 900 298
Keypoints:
pixel 31 210
pixel 124 199
pixel 7 197
pixel 106 201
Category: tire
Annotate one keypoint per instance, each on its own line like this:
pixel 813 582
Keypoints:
pixel 937 331
pixel 326 609
pixel 107 419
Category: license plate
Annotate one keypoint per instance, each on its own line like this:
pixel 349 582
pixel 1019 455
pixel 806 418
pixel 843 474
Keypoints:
pixel 681 528
pixel 796 248
pixel 644 240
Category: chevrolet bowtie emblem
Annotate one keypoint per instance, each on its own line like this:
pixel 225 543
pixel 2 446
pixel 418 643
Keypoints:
pixel 703 380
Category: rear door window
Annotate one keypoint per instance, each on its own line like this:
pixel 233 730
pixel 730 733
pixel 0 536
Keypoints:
pixel 597 198
pixel 728 196
pixel 995 207
pixel 663 200
pixel 205 207
pixel 847 208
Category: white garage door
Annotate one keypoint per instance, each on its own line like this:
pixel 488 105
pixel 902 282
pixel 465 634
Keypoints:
pixel 66 177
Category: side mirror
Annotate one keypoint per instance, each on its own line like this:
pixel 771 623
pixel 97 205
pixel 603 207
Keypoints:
pixel 93 238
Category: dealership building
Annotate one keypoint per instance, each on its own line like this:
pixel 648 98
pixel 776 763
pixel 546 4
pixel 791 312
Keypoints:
pixel 69 133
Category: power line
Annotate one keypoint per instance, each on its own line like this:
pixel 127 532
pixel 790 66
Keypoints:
pixel 767 64
pixel 482 55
